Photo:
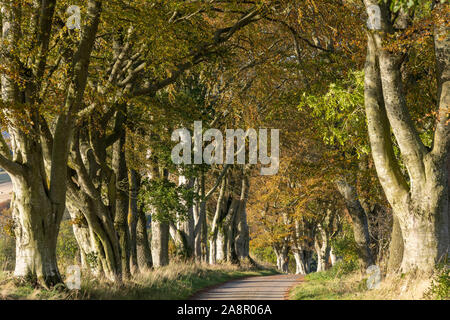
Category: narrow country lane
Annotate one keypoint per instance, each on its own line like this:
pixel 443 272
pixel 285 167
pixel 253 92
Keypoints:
pixel 253 288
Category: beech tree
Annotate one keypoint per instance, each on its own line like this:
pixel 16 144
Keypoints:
pixel 40 144
pixel 420 201
pixel 90 111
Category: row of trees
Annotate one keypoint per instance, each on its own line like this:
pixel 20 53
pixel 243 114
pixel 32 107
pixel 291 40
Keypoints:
pixel 88 114
pixel 371 141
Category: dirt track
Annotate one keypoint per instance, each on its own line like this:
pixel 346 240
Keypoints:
pixel 254 288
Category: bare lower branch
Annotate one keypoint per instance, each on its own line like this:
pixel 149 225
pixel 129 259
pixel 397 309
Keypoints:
pixel 219 179
pixel 10 166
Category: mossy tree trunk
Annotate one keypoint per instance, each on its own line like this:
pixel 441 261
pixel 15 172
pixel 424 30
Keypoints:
pixel 359 221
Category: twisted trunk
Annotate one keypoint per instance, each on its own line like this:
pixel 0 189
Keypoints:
pixel 223 229
pixel 322 250
pixel 102 212
pixel 36 227
pixel 282 253
pixel 122 204
pixel 38 164
pixel 359 222
pixel 83 236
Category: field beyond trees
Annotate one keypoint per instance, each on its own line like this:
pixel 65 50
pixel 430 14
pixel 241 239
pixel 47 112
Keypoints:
pixel 149 145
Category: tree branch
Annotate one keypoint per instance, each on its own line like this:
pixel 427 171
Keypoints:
pixel 383 155
pixel 45 27
pixel 297 36
pixel 219 179
pixel 11 167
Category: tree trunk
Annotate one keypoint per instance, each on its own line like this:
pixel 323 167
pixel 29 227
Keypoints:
pixel 243 234
pixel 84 238
pixel 333 257
pixel 213 251
pixel 300 246
pixel 204 240
pixel 224 228
pixel 133 219
pixel 359 222
pixel 282 254
pixel 216 246
pixel 308 260
pixel 229 227
pixel 143 252
pixel 321 260
pixel 201 227
pixel 87 198
pixel 37 165
pixel 140 245
pixel 160 243
pixel 422 206
pixel 300 262
pixel 424 232
pixel 36 233
pixel 95 234
pixel 395 247
pixel 200 222
pixel 221 245
pixel 182 232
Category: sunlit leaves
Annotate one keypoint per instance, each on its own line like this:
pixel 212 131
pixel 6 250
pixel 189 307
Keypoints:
pixel 339 113
pixel 165 199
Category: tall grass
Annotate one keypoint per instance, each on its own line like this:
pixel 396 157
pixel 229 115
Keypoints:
pixel 175 281
pixel 334 285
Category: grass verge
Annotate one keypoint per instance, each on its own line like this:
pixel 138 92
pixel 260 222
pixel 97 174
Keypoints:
pixel 174 282
pixel 330 285
pixel 326 286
